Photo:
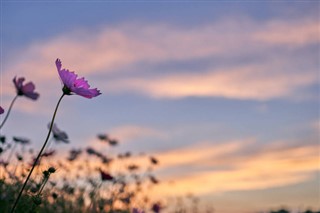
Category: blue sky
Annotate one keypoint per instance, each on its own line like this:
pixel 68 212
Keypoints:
pixel 233 86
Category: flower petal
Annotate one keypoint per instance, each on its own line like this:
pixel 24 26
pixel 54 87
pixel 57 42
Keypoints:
pixel 32 95
pixel 28 91
pixel 81 83
pixel 1 110
pixel 58 64
pixel 74 84
pixel 18 83
pixel 87 93
pixel 68 78
pixel 29 87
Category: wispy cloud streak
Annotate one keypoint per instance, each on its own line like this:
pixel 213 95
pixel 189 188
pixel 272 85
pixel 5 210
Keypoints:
pixel 127 48
pixel 251 82
pixel 224 168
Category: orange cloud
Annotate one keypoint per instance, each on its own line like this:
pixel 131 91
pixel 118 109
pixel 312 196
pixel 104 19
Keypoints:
pixel 264 168
pixel 200 153
pixel 279 32
pixel 218 168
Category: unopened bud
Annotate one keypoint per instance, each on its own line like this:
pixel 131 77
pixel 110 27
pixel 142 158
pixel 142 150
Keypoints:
pixel 52 170
pixel 46 173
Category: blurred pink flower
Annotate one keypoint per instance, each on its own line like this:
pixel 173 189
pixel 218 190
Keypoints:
pixel 154 160
pixel 103 137
pixel 58 134
pixel 153 179
pixel 1 110
pixel 23 141
pixel 156 208
pixel 135 210
pixel 106 176
pixel 48 153
pixel 26 90
pixel 73 84
pixel 4 163
pixel 73 154
pixel 133 167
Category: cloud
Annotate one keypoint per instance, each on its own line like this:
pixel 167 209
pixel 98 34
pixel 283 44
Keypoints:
pixel 316 126
pixel 213 168
pixel 113 52
pixel 250 82
pixel 230 166
pixel 226 168
pixel 280 32
pixel 199 153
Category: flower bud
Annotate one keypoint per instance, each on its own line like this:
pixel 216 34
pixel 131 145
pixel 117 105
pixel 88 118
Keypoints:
pixel 52 170
pixel 46 174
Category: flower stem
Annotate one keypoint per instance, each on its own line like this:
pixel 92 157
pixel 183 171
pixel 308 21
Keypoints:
pixel 36 160
pixel 48 145
pixel 43 184
pixel 9 110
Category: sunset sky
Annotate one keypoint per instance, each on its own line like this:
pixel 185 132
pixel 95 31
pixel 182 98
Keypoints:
pixel 225 94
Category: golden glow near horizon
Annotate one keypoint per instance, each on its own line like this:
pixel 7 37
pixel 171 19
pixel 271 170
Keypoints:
pixel 264 167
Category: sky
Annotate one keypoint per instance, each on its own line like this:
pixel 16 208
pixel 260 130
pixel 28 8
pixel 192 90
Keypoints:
pixel 224 93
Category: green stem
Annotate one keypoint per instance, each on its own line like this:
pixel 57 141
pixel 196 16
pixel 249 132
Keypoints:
pixel 9 110
pixel 36 160
pixel 43 184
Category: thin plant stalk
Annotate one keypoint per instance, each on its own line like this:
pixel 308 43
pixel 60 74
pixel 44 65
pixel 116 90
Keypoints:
pixel 46 149
pixel 15 169
pixel 10 155
pixel 92 204
pixel 49 144
pixel 9 110
pixel 43 184
pixel 36 160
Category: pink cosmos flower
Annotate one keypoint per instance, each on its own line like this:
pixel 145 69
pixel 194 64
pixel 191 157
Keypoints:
pixel 73 84
pixel 1 110
pixel 26 90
